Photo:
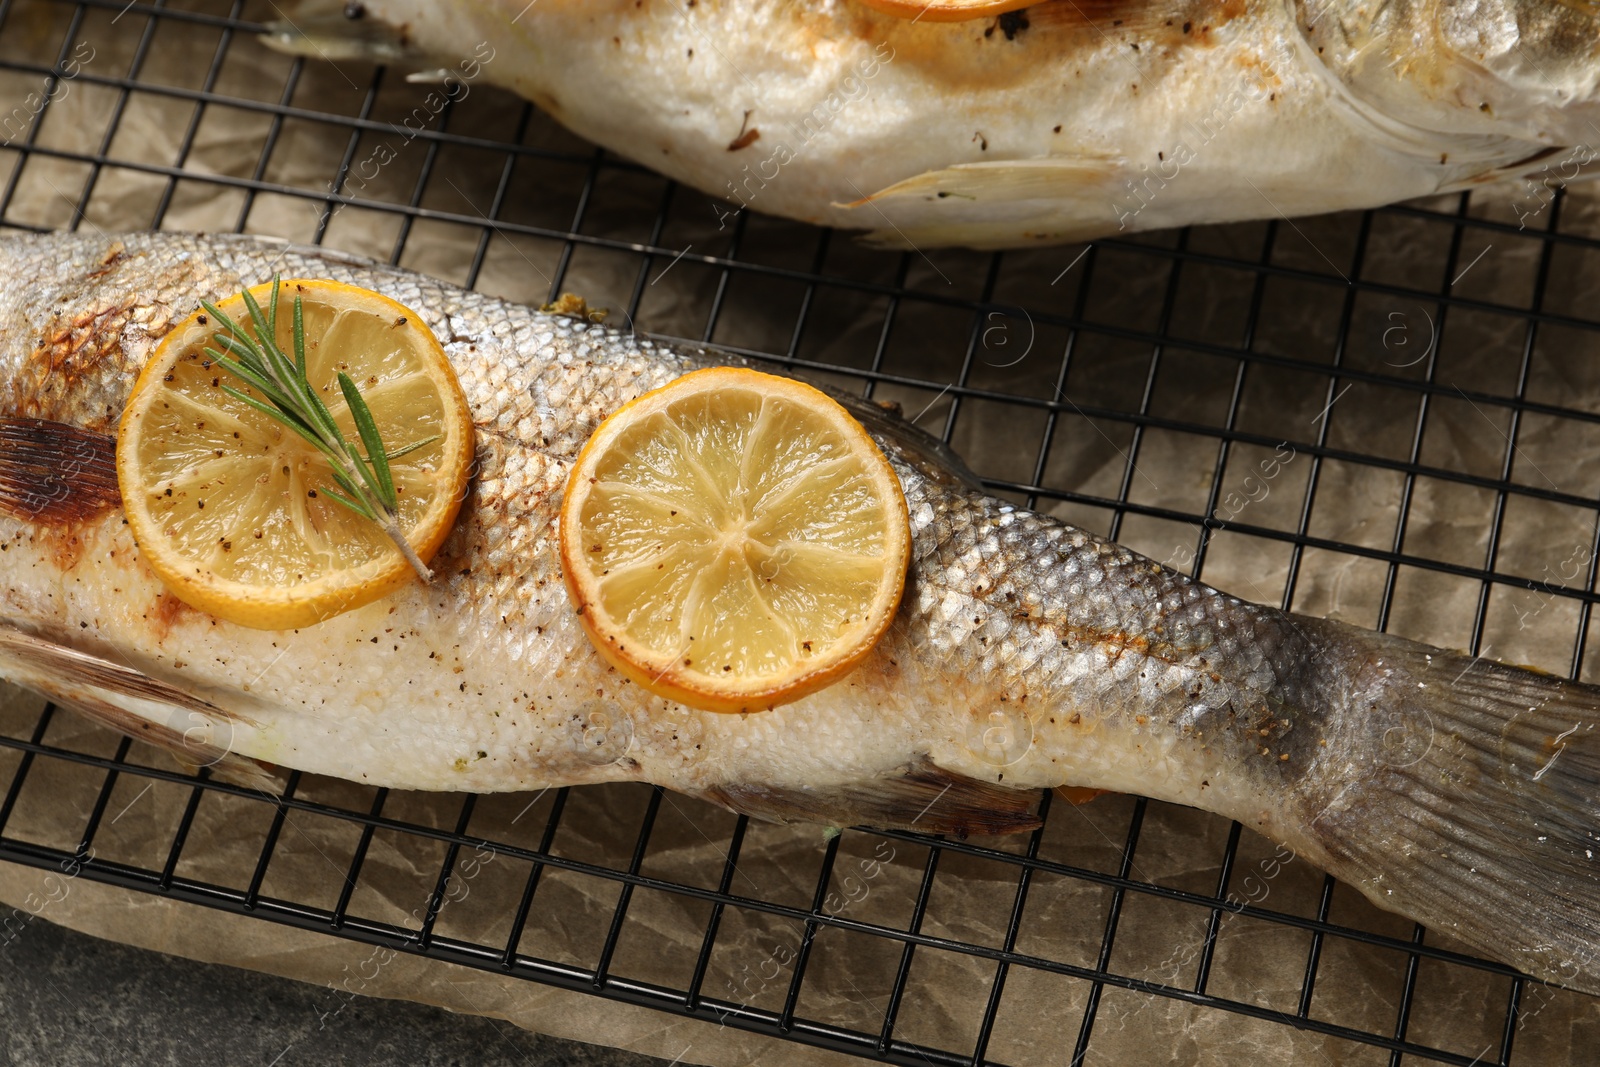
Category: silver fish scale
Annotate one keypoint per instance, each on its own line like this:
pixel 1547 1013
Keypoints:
pixel 1073 624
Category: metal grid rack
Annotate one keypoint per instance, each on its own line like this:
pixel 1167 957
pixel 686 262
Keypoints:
pixel 869 320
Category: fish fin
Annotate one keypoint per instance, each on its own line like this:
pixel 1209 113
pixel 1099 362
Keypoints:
pixel 54 473
pixel 1000 179
pixel 923 797
pixel 939 460
pixel 993 203
pixel 196 732
pixel 931 456
pixel 332 30
pixel 1466 794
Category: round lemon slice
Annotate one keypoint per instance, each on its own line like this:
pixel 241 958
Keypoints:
pixel 230 508
pixel 734 540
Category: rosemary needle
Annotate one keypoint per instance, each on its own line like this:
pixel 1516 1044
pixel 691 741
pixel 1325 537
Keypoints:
pixel 365 482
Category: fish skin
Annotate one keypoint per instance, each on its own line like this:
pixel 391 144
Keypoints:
pixel 1027 654
pixel 1071 120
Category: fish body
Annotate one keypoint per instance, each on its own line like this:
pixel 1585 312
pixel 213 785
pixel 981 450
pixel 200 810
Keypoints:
pixel 1026 654
pixel 1065 121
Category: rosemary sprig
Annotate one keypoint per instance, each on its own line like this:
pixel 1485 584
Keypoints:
pixel 366 484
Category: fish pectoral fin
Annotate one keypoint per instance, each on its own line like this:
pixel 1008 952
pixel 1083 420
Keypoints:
pixel 1047 177
pixel 196 732
pixel 54 473
pixel 994 203
pixel 923 797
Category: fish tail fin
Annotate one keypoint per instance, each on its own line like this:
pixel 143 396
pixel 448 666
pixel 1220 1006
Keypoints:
pixel 1465 794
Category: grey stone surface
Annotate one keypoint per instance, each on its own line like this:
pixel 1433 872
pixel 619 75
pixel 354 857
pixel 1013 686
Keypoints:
pixel 67 1000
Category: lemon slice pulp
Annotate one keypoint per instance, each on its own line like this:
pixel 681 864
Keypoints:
pixel 734 540
pixel 229 507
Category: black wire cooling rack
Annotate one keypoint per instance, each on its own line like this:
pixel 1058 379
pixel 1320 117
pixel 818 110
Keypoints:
pixel 1404 357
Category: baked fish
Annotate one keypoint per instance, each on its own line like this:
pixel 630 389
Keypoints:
pixel 1062 121
pixel 1026 653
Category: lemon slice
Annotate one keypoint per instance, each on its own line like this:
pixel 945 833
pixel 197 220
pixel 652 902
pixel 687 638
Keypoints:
pixel 734 540
pixel 229 507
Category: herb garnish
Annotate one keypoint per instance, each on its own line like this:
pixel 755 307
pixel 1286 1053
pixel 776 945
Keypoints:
pixel 366 482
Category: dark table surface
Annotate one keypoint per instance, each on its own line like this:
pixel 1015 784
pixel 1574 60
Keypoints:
pixel 68 999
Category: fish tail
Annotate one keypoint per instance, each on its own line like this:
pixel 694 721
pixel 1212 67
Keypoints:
pixel 1466 794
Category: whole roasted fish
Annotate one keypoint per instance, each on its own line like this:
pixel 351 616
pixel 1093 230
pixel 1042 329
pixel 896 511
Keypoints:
pixel 1026 654
pixel 1064 121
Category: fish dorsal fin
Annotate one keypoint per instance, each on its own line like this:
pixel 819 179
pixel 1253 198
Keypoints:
pixel 195 731
pixel 54 473
pixel 901 437
pixel 923 797
pixel 931 455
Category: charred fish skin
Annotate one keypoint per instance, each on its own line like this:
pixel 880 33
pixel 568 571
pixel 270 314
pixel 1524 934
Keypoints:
pixel 1063 122
pixel 1027 653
